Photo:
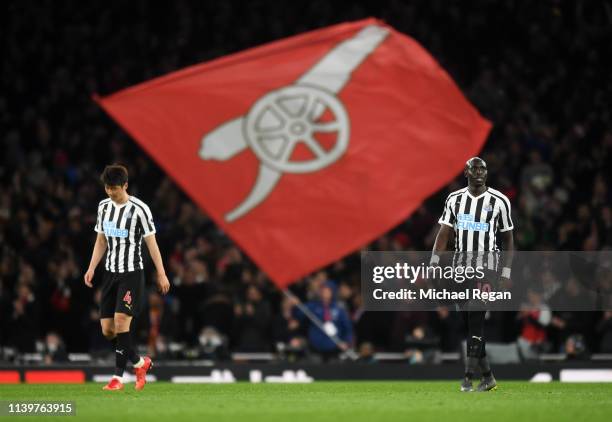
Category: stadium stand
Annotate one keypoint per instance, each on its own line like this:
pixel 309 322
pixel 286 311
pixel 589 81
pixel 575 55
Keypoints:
pixel 535 69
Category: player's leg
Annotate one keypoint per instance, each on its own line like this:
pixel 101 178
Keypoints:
pixel 487 381
pixel 108 330
pixel 129 302
pixel 108 299
pixel 471 354
pixel 475 346
pixel 107 321
pixel 478 358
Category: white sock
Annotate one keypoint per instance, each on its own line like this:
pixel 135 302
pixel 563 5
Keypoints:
pixel 118 377
pixel 139 363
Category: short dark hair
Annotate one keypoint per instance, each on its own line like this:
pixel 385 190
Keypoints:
pixel 114 175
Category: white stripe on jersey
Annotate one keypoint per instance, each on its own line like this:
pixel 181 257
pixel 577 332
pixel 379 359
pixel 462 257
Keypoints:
pixel 132 242
pixel 124 227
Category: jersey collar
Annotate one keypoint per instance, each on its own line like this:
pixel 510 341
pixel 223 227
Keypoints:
pixel 476 197
pixel 121 205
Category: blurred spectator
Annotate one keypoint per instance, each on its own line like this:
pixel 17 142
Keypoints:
pixel 335 323
pixel 287 333
pixel 161 324
pixel 534 317
pixel 54 349
pixel 24 322
pixel 575 347
pixel 253 318
pixel 366 353
pixel 604 332
pixel 212 345
pixel 566 323
pixel 98 344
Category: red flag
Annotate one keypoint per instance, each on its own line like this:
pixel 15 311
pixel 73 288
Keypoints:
pixel 305 149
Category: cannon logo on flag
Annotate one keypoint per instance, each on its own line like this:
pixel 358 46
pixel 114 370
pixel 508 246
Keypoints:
pixel 286 117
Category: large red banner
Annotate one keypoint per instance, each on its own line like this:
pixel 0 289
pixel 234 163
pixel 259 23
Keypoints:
pixel 305 149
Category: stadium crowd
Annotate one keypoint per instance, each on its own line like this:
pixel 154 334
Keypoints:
pixel 535 69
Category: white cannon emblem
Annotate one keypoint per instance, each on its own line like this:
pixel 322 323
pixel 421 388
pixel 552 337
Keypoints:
pixel 285 117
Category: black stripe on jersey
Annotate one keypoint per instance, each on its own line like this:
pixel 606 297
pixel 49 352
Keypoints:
pixel 146 216
pixel 126 253
pixel 476 235
pixel 506 207
pixel 104 214
pixel 110 241
pixel 118 245
pixel 457 204
pixel 101 211
pixel 448 204
pixel 487 238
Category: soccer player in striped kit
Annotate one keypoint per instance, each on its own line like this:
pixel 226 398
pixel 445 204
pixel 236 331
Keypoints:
pixel 123 221
pixel 475 216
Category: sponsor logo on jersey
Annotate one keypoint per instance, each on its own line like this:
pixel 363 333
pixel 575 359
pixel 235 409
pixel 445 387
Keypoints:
pixel 467 222
pixel 111 230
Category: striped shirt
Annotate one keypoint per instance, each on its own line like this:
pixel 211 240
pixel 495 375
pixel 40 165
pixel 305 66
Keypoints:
pixel 477 219
pixel 124 227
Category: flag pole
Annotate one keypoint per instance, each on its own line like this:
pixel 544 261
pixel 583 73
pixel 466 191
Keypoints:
pixel 316 321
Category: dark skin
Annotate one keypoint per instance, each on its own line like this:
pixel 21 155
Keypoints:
pixel 476 174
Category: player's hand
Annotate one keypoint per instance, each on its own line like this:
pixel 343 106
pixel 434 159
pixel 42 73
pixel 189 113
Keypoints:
pixel 88 278
pixel 505 284
pixel 163 284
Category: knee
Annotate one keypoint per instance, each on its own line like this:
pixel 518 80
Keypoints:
pixel 122 322
pixel 108 332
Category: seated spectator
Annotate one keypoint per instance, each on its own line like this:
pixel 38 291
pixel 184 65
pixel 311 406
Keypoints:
pixel 54 349
pixel 575 347
pixel 212 345
pixel 366 353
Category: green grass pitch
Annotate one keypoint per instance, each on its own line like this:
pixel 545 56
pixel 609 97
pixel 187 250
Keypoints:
pixel 325 401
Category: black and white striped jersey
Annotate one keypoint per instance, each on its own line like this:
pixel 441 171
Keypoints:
pixel 124 227
pixel 477 219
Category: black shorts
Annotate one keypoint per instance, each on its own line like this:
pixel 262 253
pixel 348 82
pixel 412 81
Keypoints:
pixel 122 293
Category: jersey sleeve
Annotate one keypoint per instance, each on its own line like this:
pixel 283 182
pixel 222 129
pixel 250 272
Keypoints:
pixel 146 220
pixel 98 227
pixel 447 218
pixel 505 215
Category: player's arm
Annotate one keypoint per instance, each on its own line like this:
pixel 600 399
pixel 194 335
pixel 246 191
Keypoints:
pixel 446 231
pixel 507 239
pixel 96 256
pixel 163 284
pixel 444 234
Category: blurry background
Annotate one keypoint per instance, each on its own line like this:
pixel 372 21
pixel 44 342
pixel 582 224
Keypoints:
pixel 537 70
